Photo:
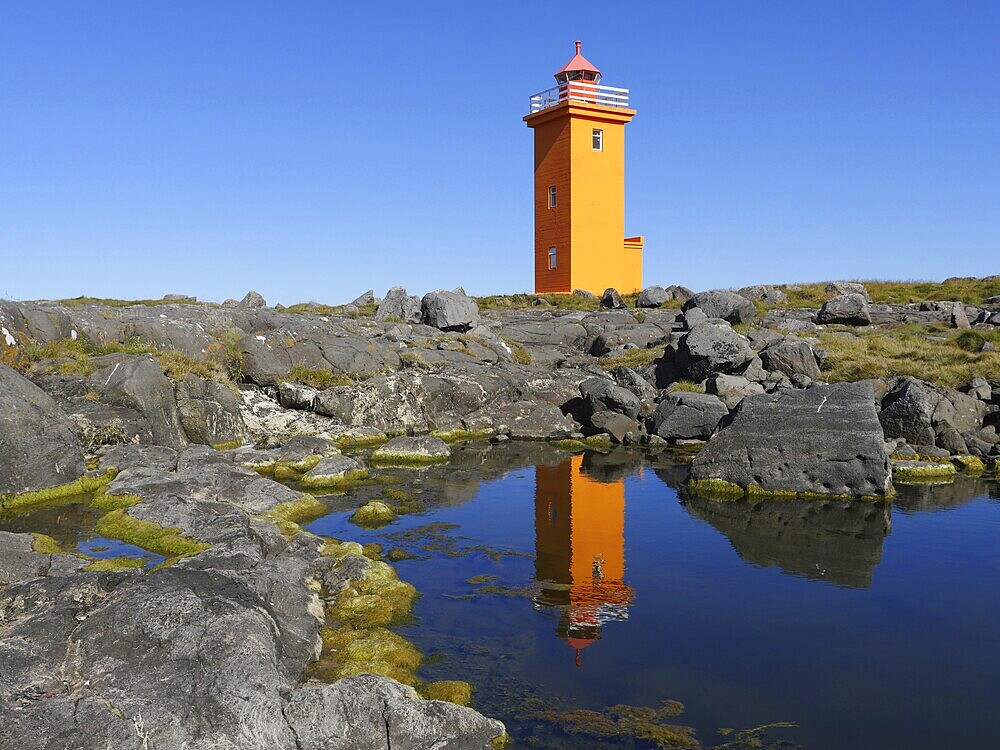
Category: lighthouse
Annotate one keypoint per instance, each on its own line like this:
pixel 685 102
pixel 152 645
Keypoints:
pixel 579 195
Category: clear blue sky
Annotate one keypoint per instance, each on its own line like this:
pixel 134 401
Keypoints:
pixel 311 150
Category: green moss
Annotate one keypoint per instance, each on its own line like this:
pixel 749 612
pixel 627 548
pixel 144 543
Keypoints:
pixel 599 443
pixel 396 554
pixel 501 742
pixel 453 691
pixel 108 564
pixel 328 481
pixel 149 535
pixel 462 436
pixel 717 489
pixel 969 464
pixel 340 550
pixel 378 600
pixel 405 459
pixel 43 544
pixel 916 473
pixel 372 550
pixel 105 501
pixel 81 486
pixel 228 446
pixel 351 651
pixel 305 508
pixel 373 514
pixel 572 446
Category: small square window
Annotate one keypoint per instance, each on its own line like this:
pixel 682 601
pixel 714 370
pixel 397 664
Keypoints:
pixel 552 197
pixel 598 140
pixel 552 258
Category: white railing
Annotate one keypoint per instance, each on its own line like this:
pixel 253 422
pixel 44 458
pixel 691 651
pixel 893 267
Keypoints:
pixel 579 91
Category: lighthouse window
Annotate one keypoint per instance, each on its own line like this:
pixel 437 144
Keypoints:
pixel 552 197
pixel 598 140
pixel 552 258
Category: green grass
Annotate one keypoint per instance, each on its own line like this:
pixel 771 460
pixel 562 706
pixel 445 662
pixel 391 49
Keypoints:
pixel 939 356
pixel 518 353
pixel 76 488
pixel 688 386
pixel 81 301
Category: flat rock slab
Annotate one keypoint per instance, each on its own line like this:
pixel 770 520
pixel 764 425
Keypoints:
pixel 825 440
pixel 417 448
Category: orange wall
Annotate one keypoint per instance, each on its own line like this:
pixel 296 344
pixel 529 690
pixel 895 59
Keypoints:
pixel 588 225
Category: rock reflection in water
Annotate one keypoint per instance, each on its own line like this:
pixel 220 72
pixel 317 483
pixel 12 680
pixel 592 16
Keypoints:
pixel 580 551
pixel 839 542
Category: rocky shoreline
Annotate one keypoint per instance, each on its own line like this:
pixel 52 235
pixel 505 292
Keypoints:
pixel 173 420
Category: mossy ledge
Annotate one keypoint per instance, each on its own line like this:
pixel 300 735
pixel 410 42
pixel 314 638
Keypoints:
pixel 969 464
pixel 43 544
pixel 333 481
pixel 81 486
pixel 149 535
pixel 912 472
pixel 406 459
pixel 720 489
pixel 462 436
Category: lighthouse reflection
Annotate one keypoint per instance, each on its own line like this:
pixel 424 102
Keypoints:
pixel 580 551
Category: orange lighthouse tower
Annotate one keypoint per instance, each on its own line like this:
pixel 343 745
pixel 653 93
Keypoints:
pixel 580 185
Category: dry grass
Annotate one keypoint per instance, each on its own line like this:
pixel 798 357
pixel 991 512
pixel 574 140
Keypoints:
pixel 633 358
pixel 930 353
pixel 969 291
pixel 317 378
pixel 81 301
pixel 518 353
pixel 558 301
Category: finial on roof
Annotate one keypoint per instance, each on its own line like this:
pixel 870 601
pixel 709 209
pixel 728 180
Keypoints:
pixel 578 46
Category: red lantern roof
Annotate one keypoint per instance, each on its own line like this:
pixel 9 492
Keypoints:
pixel 578 63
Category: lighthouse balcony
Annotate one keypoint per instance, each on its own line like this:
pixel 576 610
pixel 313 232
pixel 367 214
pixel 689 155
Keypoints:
pixel 579 91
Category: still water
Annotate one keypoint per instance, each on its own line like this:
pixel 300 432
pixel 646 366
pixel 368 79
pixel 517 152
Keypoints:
pixel 583 583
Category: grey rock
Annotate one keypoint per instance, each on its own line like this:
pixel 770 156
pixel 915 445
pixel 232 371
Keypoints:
pixel 330 468
pixel 448 311
pixel 525 420
pixel 791 357
pixel 710 348
pixel 413 447
pixel 367 711
pixel 124 457
pixel 680 293
pixel 731 389
pixel 632 381
pixel 584 294
pixel 38 447
pixel 210 411
pixel 296 395
pixel 611 299
pixel 918 412
pixel 252 301
pixel 729 306
pixel 398 305
pixel 365 298
pixel 686 415
pixel 602 394
pixel 761 338
pixel 617 426
pixel 958 318
pixel 764 293
pixel 139 383
pixel 847 309
pixel 838 288
pixel 652 296
pixel 824 440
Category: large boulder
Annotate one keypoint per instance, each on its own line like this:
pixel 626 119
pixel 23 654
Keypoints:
pixel 210 411
pixel 710 348
pixel 847 309
pixel 732 389
pixel 139 383
pixel 38 447
pixel 632 381
pixel 958 317
pixel 763 293
pixel 824 440
pixel 792 357
pixel 729 306
pixel 924 415
pixel 838 288
pixel 398 305
pixel 652 296
pixel 687 415
pixel 252 301
pixel 602 394
pixel 449 311
pixel 611 299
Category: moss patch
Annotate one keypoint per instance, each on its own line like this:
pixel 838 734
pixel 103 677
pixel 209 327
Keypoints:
pixel 228 446
pixel 43 544
pixel 453 691
pixel 114 502
pixel 306 508
pixel 333 481
pixel 715 489
pixel 373 515
pixel 571 446
pixel 462 436
pixel 149 535
pixel 914 472
pixel 350 651
pixel 81 486
pixel 318 379
pixel 378 600
pixel 969 464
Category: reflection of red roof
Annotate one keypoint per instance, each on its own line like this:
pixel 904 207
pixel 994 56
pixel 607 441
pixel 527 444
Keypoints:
pixel 579 643
pixel 579 62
